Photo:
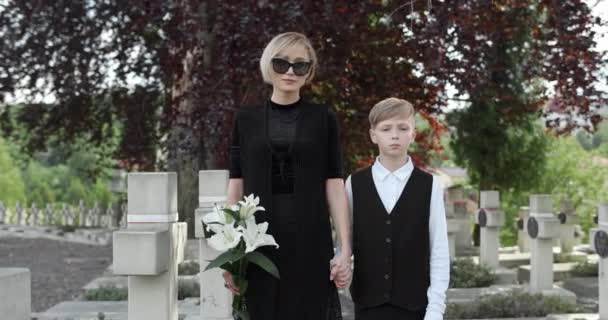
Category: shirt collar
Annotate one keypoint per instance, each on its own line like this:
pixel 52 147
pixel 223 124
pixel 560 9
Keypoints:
pixel 380 172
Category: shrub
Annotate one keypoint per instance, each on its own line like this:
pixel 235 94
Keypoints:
pixel 188 290
pixel 106 293
pixel 584 269
pixel 516 304
pixel 465 273
pixel 188 268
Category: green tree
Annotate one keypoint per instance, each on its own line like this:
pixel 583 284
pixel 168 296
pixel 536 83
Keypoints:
pixel 39 183
pixel 12 187
pixel 568 174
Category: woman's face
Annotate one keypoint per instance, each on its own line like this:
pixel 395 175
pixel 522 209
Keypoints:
pixel 295 76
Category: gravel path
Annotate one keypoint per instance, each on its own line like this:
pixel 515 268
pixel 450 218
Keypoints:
pixel 59 269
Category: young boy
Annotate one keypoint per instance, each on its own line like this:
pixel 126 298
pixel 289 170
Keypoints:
pixel 400 243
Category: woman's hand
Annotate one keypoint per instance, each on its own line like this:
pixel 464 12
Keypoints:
pixel 229 283
pixel 340 272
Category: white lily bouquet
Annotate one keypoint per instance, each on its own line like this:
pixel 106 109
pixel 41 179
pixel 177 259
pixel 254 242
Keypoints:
pixel 233 230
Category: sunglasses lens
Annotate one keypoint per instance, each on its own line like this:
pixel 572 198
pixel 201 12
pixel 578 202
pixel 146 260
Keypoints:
pixel 301 68
pixel 280 65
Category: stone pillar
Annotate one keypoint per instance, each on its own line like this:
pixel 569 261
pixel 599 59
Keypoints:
pixel 543 227
pixel 149 250
pixel 600 243
pixel 490 218
pixel 49 214
pixel 569 235
pixel 15 293
pixel 456 207
pixel 18 214
pixel 452 228
pixel 523 240
pixel 82 214
pixel 34 212
pixel 68 215
pixel 216 301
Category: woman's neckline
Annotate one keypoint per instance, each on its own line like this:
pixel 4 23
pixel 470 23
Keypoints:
pixel 275 105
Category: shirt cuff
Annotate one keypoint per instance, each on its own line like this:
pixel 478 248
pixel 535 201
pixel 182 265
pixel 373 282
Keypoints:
pixel 433 315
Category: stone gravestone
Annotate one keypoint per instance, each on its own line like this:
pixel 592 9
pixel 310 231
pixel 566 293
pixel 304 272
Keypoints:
pixel 569 236
pixel 15 294
pixel 456 206
pixel 490 218
pixel 216 301
pixel 452 228
pixel 543 227
pixel 600 243
pixel 523 239
pixel 149 250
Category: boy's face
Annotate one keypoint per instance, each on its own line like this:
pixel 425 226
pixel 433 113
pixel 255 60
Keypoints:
pixel 393 136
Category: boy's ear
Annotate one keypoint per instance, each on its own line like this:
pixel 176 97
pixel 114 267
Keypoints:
pixel 372 135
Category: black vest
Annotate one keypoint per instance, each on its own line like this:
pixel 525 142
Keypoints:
pixel 392 251
pixel 314 242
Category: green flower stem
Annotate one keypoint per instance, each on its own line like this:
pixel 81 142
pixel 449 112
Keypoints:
pixel 238 304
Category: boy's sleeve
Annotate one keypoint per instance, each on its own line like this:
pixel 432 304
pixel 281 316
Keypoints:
pixel 440 255
pixel 349 197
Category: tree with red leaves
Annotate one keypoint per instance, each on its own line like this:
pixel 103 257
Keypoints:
pixel 196 62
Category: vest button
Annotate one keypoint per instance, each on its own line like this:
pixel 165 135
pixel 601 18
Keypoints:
pixel 386 276
pixel 386 295
pixel 388 240
pixel 388 221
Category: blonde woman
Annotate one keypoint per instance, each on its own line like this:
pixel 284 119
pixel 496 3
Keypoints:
pixel 287 151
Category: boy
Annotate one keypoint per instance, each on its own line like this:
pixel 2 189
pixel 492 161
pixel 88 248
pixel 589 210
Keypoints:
pixel 400 245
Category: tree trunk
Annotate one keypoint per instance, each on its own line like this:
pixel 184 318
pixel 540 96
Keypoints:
pixel 186 140
pixel 191 151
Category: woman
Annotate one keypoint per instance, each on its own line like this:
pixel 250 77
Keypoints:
pixel 287 152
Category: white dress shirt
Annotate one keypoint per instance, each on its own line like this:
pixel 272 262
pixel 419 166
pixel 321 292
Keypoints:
pixel 389 186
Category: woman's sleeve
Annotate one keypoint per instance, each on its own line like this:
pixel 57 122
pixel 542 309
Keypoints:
pixel 334 160
pixel 235 153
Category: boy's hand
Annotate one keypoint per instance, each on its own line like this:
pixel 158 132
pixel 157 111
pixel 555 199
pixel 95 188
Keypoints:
pixel 229 283
pixel 340 271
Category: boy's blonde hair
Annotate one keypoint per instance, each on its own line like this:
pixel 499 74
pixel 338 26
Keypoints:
pixel 280 42
pixel 390 108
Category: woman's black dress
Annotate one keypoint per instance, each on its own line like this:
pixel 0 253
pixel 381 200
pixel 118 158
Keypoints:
pixel 269 298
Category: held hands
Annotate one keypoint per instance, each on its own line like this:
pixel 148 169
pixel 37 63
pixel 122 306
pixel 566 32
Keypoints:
pixel 229 283
pixel 340 274
pixel 340 270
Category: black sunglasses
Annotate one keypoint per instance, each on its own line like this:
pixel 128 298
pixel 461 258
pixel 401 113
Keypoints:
pixel 281 66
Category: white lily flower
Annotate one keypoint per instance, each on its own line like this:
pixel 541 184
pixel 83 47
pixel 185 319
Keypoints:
pixel 214 219
pixel 226 237
pixel 255 235
pixel 249 207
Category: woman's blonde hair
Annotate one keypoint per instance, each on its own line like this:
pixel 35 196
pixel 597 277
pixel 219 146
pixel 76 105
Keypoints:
pixel 280 42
